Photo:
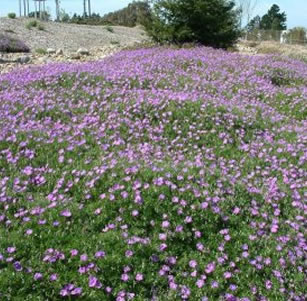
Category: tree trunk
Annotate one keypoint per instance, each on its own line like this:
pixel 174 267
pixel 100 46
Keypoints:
pixel 35 7
pixel 19 8
pixel 28 8
pixel 24 8
pixel 40 9
pixel 44 10
pixel 84 8
pixel 89 8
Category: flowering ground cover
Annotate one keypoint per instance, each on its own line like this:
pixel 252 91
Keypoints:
pixel 155 174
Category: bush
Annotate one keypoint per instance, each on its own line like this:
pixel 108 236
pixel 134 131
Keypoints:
pixel 9 44
pixel 41 27
pixel 109 29
pixel 12 15
pixel 135 13
pixel 41 51
pixel 31 24
pixel 209 22
pixel 297 35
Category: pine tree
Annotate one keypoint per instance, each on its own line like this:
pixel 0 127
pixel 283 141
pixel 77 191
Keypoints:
pixel 274 19
pixel 209 22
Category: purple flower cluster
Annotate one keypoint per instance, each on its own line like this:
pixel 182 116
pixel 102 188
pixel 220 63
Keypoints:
pixel 155 173
pixel 9 44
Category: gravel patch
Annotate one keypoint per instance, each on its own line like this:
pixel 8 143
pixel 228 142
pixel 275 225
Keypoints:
pixel 68 42
pixel 70 37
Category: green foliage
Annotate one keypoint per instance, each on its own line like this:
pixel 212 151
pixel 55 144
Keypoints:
pixel 11 15
pixel 274 19
pixel 297 35
pixel 41 27
pixel 45 15
pixel 40 51
pixel 254 24
pixel 31 24
pixel 135 13
pixel 209 22
pixel 9 44
pixel 109 29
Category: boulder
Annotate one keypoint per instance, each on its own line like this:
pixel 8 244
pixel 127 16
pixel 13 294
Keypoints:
pixel 51 51
pixel 75 56
pixel 83 51
pixel 23 59
pixel 59 52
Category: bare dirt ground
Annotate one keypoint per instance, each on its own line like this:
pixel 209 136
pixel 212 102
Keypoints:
pixel 70 37
pixel 270 47
pixel 100 41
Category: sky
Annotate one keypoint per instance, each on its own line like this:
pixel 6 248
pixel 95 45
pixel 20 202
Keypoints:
pixel 296 10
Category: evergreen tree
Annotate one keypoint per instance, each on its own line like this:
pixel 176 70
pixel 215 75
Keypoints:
pixel 254 23
pixel 274 19
pixel 209 22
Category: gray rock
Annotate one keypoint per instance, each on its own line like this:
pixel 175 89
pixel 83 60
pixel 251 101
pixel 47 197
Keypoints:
pixel 75 56
pixel 51 51
pixel 42 60
pixel 59 51
pixel 83 51
pixel 23 59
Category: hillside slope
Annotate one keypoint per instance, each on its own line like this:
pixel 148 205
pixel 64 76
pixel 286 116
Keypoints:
pixel 70 37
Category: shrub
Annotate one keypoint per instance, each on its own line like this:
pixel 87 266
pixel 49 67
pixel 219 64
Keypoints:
pixel 297 35
pixel 41 51
pixel 11 15
pixel 209 22
pixel 135 13
pixel 109 29
pixel 41 27
pixel 32 23
pixel 115 43
pixel 9 44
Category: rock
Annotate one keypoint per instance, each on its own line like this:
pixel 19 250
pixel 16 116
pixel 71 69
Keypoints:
pixel 23 59
pixel 75 56
pixel 83 51
pixel 50 51
pixel 59 52
pixel 43 60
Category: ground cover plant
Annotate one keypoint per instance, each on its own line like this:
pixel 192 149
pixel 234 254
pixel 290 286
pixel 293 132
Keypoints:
pixel 155 174
pixel 9 44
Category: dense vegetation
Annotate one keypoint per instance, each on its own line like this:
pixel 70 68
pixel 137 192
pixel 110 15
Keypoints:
pixel 154 174
pixel 136 13
pixel 9 44
pixel 208 22
pixel 272 20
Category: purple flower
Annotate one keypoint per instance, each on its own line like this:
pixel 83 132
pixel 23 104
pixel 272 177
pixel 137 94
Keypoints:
pixel 76 292
pixel 100 254
pixel 193 264
pixel 53 277
pixel 84 257
pixel 125 277
pixel 139 277
pixel 11 250
pixel 17 266
pixel 200 283
pixel 38 276
pixel 94 282
pixel 129 253
pixel 66 213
